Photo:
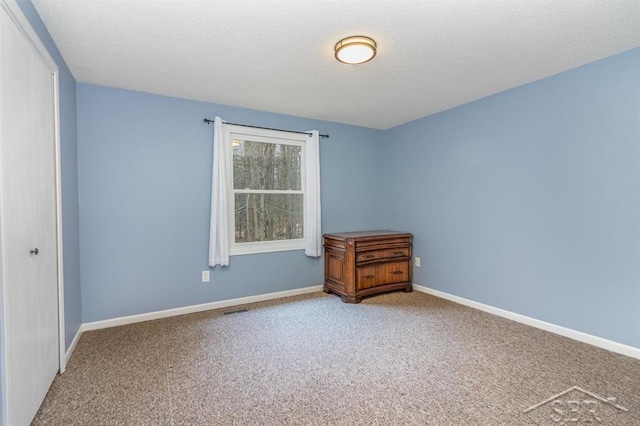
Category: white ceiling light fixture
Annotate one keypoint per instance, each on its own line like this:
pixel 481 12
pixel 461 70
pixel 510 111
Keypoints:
pixel 356 50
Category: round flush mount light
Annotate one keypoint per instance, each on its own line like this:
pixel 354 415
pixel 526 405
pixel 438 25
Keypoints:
pixel 356 50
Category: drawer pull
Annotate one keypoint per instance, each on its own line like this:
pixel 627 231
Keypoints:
pixel 368 256
pixel 368 277
pixel 398 253
pixel 397 272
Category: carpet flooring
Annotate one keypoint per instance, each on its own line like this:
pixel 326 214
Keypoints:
pixel 394 359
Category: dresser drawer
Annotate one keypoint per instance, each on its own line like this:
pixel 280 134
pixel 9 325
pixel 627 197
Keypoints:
pixel 381 274
pixel 368 256
pixel 373 243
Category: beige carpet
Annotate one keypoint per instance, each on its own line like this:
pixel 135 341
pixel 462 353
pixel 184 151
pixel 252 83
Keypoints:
pixel 394 359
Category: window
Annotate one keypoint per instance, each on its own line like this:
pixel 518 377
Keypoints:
pixel 266 201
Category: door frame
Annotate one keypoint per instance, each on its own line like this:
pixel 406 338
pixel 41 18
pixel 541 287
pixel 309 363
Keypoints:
pixel 14 11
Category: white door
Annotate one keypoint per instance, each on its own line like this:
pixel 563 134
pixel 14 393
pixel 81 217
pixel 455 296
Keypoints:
pixel 28 227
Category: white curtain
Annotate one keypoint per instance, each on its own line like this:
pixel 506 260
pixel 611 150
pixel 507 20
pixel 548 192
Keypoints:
pixel 312 219
pixel 219 228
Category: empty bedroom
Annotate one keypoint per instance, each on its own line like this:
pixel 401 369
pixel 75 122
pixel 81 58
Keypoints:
pixel 280 212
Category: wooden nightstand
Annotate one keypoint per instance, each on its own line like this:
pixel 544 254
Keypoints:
pixel 358 264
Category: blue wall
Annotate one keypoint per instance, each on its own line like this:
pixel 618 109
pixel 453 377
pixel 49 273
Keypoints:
pixel 145 182
pixel 68 147
pixel 529 200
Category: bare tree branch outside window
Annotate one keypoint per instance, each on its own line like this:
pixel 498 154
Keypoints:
pixel 267 183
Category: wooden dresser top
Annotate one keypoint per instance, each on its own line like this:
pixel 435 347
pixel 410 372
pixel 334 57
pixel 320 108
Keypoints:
pixel 365 234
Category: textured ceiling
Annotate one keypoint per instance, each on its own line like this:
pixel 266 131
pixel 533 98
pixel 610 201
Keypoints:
pixel 277 55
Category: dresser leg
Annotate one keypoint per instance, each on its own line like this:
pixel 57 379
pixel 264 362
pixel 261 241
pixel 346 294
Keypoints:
pixel 408 289
pixel 351 299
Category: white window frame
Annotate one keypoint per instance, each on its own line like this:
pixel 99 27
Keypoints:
pixel 265 136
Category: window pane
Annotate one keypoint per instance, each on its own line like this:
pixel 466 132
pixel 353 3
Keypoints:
pixel 268 217
pixel 268 166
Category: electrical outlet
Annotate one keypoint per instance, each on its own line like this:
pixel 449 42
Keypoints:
pixel 205 276
pixel 416 261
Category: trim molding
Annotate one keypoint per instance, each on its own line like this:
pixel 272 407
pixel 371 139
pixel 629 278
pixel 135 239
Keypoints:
pixel 590 339
pixel 73 344
pixel 115 322
pixel 523 319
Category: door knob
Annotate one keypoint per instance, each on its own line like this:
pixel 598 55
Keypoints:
pixel 35 251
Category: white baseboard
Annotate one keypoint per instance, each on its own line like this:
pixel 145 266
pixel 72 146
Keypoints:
pixel 73 344
pixel 114 322
pixel 543 325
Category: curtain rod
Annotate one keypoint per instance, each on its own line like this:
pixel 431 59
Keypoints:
pixel 206 120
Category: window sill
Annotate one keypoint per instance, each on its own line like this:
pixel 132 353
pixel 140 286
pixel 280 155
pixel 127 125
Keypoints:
pixel 266 247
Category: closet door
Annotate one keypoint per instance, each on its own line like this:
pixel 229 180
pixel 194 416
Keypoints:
pixel 28 227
